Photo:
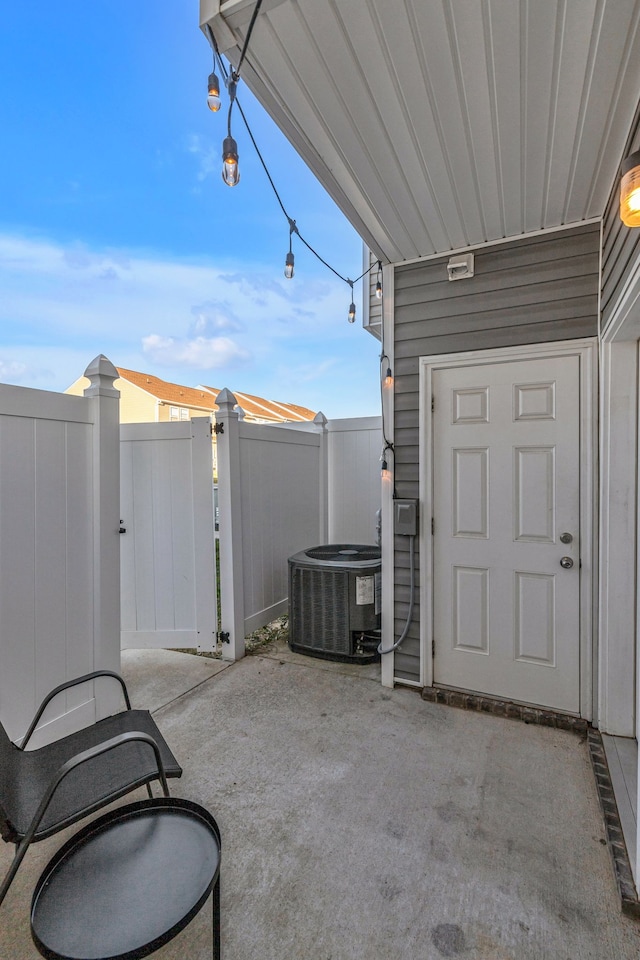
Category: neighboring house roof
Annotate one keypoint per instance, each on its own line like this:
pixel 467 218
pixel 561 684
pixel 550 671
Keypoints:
pixel 204 398
pixel 173 393
pixel 260 409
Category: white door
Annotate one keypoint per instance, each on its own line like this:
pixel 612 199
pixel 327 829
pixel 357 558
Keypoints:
pixel 506 590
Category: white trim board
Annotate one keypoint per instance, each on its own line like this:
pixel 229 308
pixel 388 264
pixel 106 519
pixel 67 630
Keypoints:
pixel 387 668
pixel 586 351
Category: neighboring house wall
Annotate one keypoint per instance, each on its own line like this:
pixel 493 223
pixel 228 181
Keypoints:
pixel 171 411
pixel 541 288
pixel 136 406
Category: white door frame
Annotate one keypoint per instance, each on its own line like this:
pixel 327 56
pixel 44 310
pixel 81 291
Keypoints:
pixel 587 352
pixel 619 629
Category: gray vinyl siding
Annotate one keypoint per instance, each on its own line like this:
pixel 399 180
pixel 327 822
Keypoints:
pixel 373 320
pixel 533 290
pixel 620 244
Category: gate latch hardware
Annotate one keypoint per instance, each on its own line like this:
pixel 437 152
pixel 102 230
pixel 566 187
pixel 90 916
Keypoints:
pixel 223 637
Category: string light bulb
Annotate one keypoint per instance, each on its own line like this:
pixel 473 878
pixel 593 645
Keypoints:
pixel 213 95
pixel 289 259
pixel 384 466
pixel 630 191
pixel 352 306
pixel 388 378
pixel 230 170
pixel 379 281
pixel 288 265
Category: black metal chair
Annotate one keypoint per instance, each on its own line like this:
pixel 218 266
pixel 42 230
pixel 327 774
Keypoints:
pixel 45 790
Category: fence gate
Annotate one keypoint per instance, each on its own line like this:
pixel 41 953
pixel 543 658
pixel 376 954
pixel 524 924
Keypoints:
pixel 167 552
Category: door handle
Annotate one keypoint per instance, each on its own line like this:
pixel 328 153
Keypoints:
pixel 565 538
pixel 566 563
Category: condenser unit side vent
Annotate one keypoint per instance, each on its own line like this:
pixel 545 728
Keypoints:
pixel 320 609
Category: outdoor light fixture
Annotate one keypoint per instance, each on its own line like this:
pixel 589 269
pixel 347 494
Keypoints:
pixel 630 190
pixel 388 379
pixel 213 97
pixel 230 171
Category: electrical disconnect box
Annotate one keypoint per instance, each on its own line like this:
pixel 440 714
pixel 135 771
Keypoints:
pixel 405 517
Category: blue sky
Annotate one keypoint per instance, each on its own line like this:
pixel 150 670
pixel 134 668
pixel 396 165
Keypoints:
pixel 118 236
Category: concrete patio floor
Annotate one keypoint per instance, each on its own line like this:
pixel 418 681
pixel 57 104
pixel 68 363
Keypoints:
pixel 360 823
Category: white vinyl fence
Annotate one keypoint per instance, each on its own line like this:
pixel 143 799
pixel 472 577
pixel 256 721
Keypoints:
pixel 282 489
pixel 353 465
pixel 59 552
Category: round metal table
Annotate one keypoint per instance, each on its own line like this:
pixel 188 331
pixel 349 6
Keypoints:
pixel 129 882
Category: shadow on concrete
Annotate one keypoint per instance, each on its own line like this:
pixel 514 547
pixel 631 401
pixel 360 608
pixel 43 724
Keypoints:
pixel 361 823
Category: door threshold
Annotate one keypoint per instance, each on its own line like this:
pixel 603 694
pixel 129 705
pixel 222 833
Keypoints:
pixel 481 703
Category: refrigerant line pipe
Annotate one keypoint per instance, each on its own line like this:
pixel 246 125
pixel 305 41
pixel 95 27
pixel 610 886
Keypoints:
pixel 403 635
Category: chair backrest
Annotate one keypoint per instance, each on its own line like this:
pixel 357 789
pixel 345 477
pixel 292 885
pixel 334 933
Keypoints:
pixel 8 751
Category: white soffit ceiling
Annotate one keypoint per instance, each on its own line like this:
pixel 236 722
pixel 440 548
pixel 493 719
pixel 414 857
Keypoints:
pixel 441 124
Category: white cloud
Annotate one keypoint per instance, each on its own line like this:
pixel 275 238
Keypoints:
pixel 212 317
pixel 203 353
pixel 63 304
pixel 12 371
pixel 208 156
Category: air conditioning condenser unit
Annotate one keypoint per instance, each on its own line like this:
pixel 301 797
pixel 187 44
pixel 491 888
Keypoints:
pixel 334 602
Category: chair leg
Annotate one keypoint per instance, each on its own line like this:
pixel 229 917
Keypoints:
pixel 149 791
pixel 21 849
pixel 216 920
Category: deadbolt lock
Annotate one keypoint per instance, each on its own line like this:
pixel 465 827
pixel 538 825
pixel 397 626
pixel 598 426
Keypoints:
pixel 565 538
pixel 566 563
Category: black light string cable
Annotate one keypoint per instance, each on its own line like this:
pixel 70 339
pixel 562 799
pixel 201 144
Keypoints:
pixel 387 381
pixel 230 158
pixel 292 223
pixel 245 45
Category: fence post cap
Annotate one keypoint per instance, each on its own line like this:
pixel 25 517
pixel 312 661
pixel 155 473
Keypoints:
pixel 226 401
pixel 320 419
pixel 101 373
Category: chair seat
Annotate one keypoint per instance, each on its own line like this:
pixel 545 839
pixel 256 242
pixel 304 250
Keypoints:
pixel 87 788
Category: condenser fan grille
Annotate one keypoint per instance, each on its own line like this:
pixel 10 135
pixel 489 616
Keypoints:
pixel 344 552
